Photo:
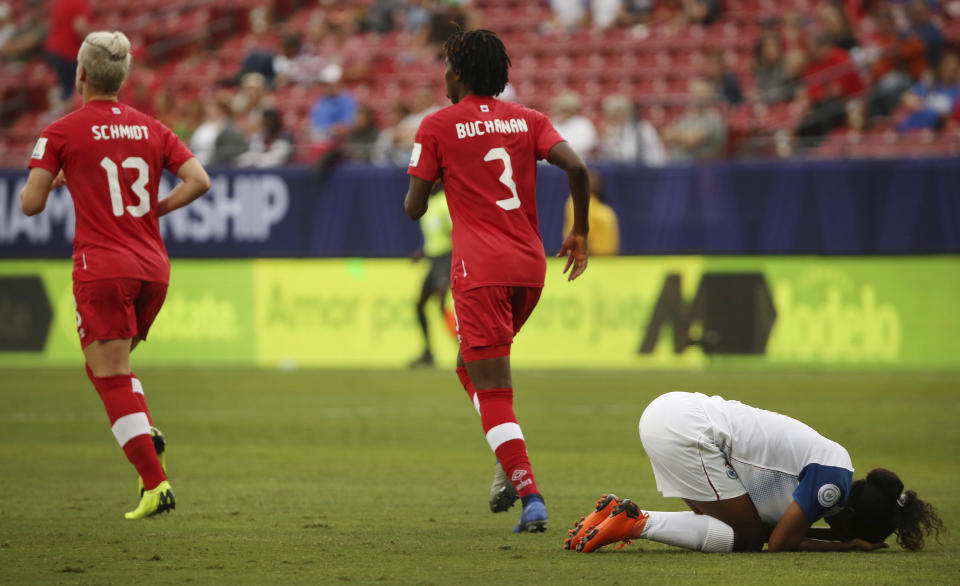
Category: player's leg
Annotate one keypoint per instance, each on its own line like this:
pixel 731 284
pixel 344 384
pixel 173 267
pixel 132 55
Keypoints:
pixel 487 319
pixel 107 323
pixel 677 437
pixel 426 290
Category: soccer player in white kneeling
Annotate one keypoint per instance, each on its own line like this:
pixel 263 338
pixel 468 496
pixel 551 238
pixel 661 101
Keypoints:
pixel 752 477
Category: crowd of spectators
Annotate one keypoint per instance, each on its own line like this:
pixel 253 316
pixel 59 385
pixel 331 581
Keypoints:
pixel 850 68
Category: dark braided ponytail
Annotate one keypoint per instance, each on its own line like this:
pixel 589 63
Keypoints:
pixel 479 59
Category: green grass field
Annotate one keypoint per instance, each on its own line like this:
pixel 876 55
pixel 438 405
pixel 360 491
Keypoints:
pixel 382 477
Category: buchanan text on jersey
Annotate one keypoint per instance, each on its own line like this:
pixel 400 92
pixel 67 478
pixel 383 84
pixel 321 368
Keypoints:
pixel 481 127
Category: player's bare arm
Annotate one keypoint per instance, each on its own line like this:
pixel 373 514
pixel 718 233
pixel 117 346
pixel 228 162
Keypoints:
pixel 791 531
pixel 575 245
pixel 33 198
pixel 194 183
pixel 415 202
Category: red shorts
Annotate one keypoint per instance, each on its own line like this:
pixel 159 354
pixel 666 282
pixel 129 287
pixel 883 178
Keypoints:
pixel 489 317
pixel 113 309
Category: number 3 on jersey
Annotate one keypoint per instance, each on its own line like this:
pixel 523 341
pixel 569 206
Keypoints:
pixel 113 181
pixel 506 177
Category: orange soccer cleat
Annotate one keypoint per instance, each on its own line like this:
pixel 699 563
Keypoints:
pixel 605 505
pixel 625 522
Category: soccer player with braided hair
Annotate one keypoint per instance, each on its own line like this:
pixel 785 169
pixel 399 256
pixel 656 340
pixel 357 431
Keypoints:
pixel 485 151
pixel 751 477
pixel 111 157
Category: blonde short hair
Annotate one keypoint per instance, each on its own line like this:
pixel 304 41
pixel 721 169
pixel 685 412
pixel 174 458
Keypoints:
pixel 105 56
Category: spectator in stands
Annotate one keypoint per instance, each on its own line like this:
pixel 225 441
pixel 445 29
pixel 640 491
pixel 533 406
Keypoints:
pixel 833 23
pixel 830 79
pixel 423 105
pixel 333 114
pixel 930 103
pixel 27 39
pixel 251 102
pixel 289 64
pixel 7 28
pixel 69 25
pixel 388 149
pixel 362 139
pixel 217 141
pixel 773 82
pixel 918 13
pixel 702 12
pixel 701 133
pixel 259 59
pixel 626 139
pixel 575 128
pixel 725 82
pixel 271 146
pixel 895 61
pixel 604 236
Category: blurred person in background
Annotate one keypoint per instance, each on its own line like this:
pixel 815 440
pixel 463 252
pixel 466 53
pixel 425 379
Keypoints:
pixel 929 103
pixel 604 236
pixel 774 83
pixel 894 61
pixel 922 25
pixel 725 82
pixel 750 477
pixel 7 27
pixel 576 129
pixel 217 141
pixel 626 139
pixel 69 24
pixel 437 230
pixel 830 78
pixel 569 15
pixel 700 134
pixel 362 140
pixel 833 23
pixel 422 105
pixel 292 63
pixel 333 115
pixel 270 146
pixel 251 102
pixel 28 35
pixel 112 156
pixel 388 148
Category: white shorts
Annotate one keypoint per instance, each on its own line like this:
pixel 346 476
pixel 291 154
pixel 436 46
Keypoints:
pixel 678 436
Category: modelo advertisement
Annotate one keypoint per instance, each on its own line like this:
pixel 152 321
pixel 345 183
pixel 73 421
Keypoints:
pixel 624 312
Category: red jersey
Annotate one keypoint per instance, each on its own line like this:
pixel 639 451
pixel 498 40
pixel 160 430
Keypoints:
pixel 61 38
pixel 486 152
pixel 112 157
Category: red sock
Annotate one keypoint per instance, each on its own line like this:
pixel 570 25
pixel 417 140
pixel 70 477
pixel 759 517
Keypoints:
pixel 468 386
pixel 506 438
pixel 130 425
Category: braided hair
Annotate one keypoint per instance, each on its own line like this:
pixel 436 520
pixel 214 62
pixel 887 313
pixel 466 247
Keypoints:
pixel 479 59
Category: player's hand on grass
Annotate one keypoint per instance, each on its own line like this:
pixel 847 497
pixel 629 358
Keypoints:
pixel 864 545
pixel 575 249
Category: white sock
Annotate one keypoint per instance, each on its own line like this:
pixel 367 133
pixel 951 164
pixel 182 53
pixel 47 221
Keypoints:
pixel 689 530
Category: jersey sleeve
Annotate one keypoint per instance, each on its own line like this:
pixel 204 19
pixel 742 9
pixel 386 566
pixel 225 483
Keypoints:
pixel 547 136
pixel 48 151
pixel 175 153
pixel 425 158
pixel 822 488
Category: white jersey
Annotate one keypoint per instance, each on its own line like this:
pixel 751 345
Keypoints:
pixel 708 448
pixel 769 452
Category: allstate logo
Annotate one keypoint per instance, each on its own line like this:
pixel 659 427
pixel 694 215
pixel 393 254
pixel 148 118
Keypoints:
pixel 731 473
pixel 828 495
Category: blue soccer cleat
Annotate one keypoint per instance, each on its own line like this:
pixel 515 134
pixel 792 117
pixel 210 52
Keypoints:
pixel 533 519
